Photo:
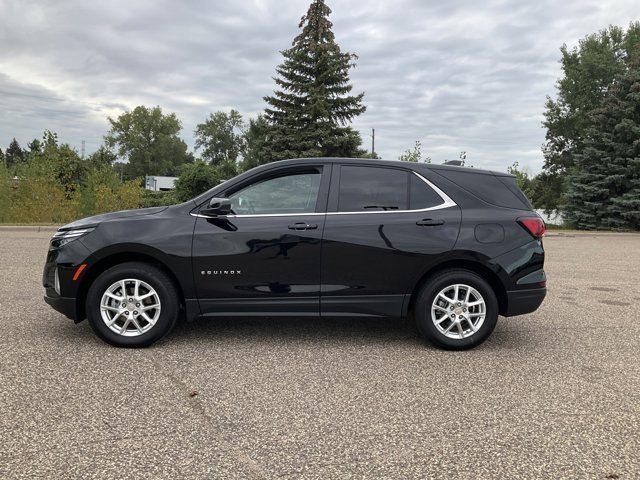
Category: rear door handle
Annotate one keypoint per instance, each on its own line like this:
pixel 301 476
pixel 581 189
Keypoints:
pixel 303 226
pixel 429 222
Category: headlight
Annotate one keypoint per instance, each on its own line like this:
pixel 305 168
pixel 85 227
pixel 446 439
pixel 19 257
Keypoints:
pixel 63 237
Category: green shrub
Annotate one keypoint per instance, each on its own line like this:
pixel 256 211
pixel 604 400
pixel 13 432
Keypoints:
pixel 56 186
pixel 157 199
pixel 195 178
pixel 5 193
pixel 39 200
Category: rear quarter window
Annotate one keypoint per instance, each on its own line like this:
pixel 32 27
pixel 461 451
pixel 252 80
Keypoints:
pixel 500 191
pixel 422 195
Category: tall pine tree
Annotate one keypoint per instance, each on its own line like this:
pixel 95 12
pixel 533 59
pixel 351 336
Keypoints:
pixel 605 190
pixel 310 111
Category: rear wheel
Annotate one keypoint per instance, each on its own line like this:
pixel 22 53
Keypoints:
pixel 456 310
pixel 132 305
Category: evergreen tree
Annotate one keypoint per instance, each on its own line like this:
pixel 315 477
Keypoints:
pixel 35 146
pixel 256 137
pixel 14 153
pixel 309 113
pixel 605 190
pixel 2 158
pixel 589 71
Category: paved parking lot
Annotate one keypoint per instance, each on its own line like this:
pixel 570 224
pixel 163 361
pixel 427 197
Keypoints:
pixel 555 394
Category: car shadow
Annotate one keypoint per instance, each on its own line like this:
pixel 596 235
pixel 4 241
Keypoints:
pixel 340 330
pixel 303 329
pixel 307 331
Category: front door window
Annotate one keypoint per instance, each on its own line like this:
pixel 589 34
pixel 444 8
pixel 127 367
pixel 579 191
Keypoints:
pixel 287 194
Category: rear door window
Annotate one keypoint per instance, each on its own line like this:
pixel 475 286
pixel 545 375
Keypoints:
pixel 370 189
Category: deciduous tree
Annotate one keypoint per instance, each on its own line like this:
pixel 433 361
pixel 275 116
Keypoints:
pixel 102 156
pixel 149 140
pixel 195 178
pixel 414 154
pixel 221 137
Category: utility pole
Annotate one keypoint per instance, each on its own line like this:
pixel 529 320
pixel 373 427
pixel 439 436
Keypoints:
pixel 373 142
pixel 82 149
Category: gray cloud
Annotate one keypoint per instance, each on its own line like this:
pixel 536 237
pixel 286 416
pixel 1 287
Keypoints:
pixel 458 75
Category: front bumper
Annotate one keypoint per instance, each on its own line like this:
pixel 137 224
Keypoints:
pixel 64 305
pixel 520 302
pixel 65 260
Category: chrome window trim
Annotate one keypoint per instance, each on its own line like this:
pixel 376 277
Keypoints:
pixel 447 202
pixel 260 215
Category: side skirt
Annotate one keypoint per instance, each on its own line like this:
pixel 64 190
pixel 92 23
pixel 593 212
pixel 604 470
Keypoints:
pixel 328 306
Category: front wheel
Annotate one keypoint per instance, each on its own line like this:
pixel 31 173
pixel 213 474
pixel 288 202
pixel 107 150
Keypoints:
pixel 132 305
pixel 456 310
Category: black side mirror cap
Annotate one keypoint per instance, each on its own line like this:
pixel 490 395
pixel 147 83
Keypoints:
pixel 218 207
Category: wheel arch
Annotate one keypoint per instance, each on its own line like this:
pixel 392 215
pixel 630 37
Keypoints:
pixel 108 260
pixel 467 264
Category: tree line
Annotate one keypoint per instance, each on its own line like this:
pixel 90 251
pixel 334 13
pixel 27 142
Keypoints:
pixel 308 114
pixel 591 167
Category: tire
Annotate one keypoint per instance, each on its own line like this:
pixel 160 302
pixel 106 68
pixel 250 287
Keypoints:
pixel 472 322
pixel 162 306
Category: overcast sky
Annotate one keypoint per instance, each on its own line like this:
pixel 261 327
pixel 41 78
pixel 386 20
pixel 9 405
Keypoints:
pixel 456 75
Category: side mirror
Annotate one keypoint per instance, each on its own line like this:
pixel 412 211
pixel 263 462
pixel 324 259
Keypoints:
pixel 218 207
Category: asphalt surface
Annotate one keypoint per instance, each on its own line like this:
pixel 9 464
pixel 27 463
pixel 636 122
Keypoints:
pixel 554 394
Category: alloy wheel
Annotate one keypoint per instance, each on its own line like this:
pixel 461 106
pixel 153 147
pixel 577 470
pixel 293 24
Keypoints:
pixel 458 311
pixel 130 307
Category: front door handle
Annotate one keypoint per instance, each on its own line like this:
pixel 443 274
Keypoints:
pixel 303 226
pixel 429 222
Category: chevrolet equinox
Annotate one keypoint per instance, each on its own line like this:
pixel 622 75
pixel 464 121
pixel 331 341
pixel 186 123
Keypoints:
pixel 453 247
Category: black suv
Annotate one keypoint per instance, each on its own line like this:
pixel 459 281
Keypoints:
pixel 452 246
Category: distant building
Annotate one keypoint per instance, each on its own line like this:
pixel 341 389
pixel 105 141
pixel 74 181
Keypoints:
pixel 159 184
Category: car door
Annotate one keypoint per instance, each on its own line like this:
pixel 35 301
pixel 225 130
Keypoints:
pixel 264 258
pixel 384 227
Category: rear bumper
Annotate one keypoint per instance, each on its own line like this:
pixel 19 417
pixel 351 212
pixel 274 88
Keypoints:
pixel 64 305
pixel 520 302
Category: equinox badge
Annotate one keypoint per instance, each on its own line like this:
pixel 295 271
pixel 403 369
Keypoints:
pixel 220 272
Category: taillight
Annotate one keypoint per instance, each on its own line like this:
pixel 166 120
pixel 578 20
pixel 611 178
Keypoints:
pixel 534 225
